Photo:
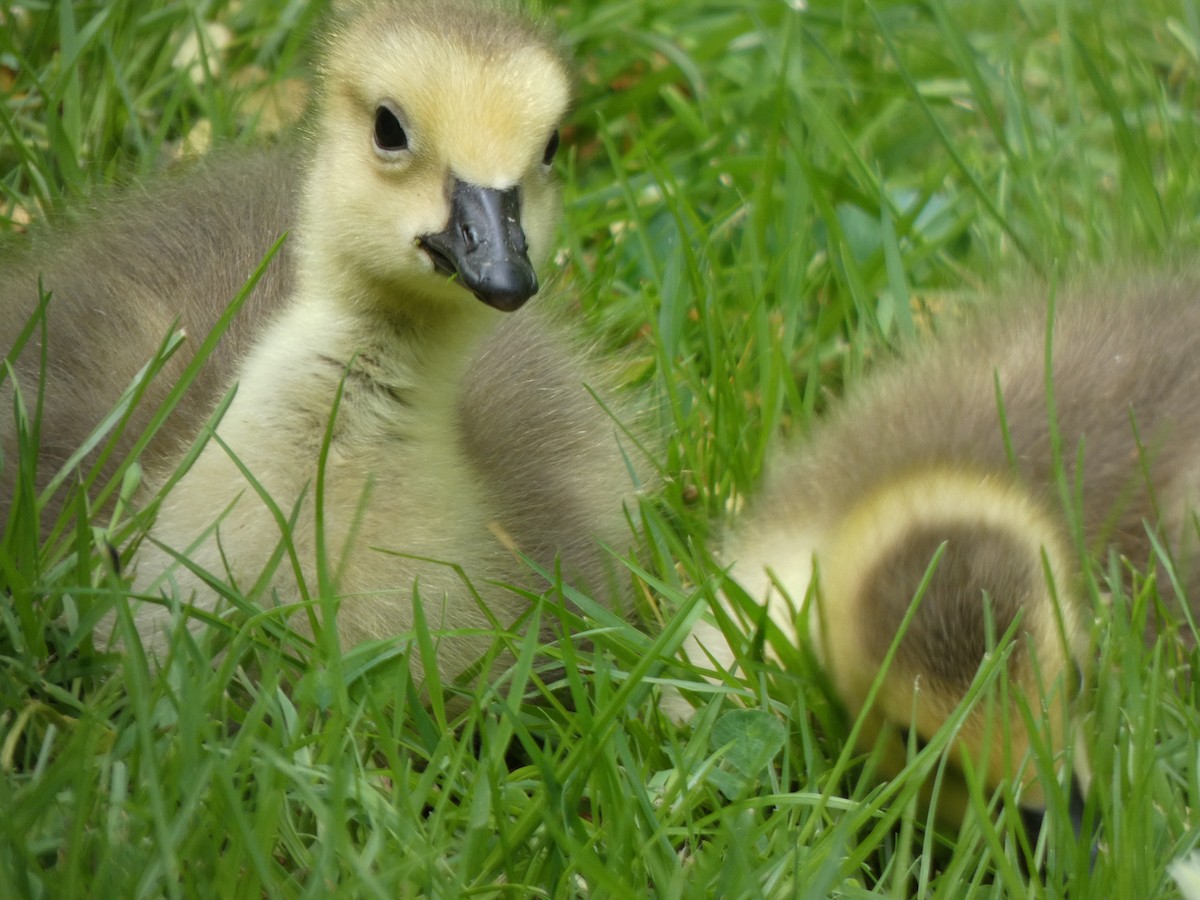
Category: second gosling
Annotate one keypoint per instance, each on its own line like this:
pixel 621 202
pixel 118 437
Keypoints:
pixel 942 468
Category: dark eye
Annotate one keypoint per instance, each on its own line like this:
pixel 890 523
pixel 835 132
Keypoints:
pixel 389 133
pixel 551 149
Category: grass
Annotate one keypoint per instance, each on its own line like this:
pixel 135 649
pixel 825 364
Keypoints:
pixel 760 198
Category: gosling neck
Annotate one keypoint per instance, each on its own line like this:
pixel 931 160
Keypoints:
pixel 415 340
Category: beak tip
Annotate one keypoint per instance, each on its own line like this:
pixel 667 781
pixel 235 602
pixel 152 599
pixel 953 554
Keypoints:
pixel 508 288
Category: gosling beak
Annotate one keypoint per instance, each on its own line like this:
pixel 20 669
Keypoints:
pixel 484 246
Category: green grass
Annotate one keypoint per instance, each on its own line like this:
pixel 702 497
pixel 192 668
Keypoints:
pixel 759 200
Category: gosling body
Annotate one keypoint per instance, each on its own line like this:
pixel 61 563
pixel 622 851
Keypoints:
pixel 938 480
pixel 121 278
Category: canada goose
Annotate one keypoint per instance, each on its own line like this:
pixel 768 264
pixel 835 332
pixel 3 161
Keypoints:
pixel 459 442
pixel 915 461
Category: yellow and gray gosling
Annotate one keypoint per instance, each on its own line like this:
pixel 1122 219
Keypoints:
pixel 462 440
pixel 914 463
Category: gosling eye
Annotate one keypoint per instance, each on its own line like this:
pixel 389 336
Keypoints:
pixel 390 136
pixel 551 149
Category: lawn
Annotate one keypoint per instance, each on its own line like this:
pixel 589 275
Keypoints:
pixel 762 198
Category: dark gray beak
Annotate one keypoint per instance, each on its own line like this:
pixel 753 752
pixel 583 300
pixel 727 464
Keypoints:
pixel 484 246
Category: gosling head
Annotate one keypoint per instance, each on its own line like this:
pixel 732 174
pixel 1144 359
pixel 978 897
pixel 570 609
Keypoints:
pixel 997 549
pixel 431 177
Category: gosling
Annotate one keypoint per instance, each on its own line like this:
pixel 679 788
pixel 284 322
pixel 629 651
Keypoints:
pixel 942 465
pixel 375 378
